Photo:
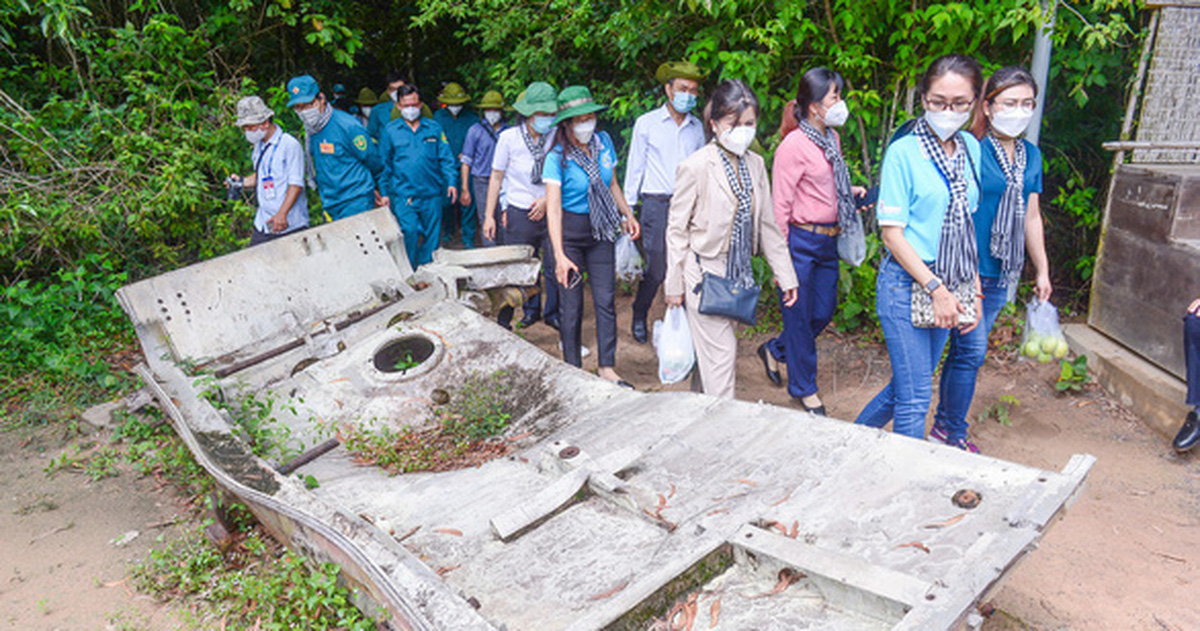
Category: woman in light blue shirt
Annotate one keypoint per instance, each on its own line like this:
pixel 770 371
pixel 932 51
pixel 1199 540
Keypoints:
pixel 586 211
pixel 1008 224
pixel 928 194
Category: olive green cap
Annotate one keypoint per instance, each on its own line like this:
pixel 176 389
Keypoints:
pixel 453 94
pixel 366 96
pixel 491 101
pixel 678 70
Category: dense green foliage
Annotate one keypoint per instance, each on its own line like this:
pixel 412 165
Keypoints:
pixel 115 116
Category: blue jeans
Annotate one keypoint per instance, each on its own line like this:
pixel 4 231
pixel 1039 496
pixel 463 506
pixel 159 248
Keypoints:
pixel 815 259
pixel 914 354
pixel 1191 352
pixel 966 355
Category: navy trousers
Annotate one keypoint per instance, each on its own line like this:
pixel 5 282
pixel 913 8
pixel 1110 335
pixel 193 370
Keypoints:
pixel 815 259
pixel 654 248
pixel 522 231
pixel 1191 351
pixel 596 259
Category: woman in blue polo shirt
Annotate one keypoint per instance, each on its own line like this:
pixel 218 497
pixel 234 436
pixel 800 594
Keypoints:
pixel 928 192
pixel 1007 225
pixel 586 211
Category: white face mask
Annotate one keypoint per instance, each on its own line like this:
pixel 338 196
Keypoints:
pixel 410 113
pixel 366 111
pixel 454 109
pixel 837 115
pixel 392 95
pixel 946 123
pixel 310 117
pixel 737 139
pixel 492 117
pixel 255 136
pixel 583 131
pixel 1011 123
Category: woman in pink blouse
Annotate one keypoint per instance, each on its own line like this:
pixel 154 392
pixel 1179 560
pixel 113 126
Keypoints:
pixel 813 199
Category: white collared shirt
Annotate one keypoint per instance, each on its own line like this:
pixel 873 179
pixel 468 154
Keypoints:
pixel 515 159
pixel 279 164
pixel 657 147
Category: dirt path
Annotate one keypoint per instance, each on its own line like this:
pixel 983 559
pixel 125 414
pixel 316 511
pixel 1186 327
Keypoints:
pixel 1126 555
pixel 58 567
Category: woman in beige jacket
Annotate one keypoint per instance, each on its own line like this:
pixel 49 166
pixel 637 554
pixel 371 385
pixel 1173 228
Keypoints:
pixel 720 216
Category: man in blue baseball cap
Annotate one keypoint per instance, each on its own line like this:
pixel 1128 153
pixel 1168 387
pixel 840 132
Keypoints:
pixel 345 160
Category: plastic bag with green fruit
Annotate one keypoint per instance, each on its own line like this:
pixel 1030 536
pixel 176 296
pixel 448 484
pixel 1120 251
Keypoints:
pixel 1043 339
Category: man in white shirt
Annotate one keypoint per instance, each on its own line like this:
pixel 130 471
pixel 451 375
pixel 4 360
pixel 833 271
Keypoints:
pixel 278 178
pixel 662 138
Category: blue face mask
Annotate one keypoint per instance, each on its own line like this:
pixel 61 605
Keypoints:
pixel 543 124
pixel 683 102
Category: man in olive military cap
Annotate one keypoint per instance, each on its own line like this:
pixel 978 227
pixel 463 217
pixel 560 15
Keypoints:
pixel 456 119
pixel 662 138
pixel 476 158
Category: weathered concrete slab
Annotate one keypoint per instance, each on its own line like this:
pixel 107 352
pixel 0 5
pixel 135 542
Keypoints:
pixel 612 504
pixel 1155 395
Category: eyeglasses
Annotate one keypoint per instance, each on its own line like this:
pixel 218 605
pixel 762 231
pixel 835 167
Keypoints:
pixel 938 105
pixel 1009 104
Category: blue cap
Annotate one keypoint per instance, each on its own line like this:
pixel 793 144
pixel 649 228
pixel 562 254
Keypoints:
pixel 301 90
pixel 338 88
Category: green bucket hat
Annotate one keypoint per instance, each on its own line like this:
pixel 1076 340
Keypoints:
pixel 453 94
pixel 491 101
pixel 538 97
pixel 678 70
pixel 366 96
pixel 576 100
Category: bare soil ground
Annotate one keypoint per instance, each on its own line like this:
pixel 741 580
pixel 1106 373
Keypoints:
pixel 59 567
pixel 1125 556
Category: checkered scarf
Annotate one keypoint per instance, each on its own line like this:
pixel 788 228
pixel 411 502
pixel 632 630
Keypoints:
pixel 741 240
pixel 1008 229
pixel 848 218
pixel 537 150
pixel 310 170
pixel 602 208
pixel 957 257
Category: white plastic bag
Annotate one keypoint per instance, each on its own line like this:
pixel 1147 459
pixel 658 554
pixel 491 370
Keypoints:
pixel 1043 339
pixel 673 342
pixel 628 260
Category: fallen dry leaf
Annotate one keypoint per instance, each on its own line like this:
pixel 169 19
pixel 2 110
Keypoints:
pixel 603 595
pixel 449 531
pixel 795 530
pixel 409 533
pixel 716 511
pixel 715 611
pixel 943 524
pixel 783 499
pixel 787 577
pixel 672 493
pixel 446 569
pixel 746 482
pixel 915 544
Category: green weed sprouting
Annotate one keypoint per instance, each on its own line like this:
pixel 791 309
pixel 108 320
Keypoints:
pixel 1001 410
pixel 251 584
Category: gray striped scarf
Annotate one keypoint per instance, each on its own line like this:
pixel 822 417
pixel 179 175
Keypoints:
pixel 602 208
pixel 538 150
pixel 310 169
pixel 957 256
pixel 1008 229
pixel 741 240
pixel 848 218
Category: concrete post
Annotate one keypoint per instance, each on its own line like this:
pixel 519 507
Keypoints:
pixel 1041 67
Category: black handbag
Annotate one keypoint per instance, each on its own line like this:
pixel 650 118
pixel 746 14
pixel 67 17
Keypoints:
pixel 719 296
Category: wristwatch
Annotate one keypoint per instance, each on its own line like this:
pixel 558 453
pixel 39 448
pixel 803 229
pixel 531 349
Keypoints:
pixel 932 285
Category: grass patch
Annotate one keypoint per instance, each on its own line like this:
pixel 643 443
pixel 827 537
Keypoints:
pixel 463 434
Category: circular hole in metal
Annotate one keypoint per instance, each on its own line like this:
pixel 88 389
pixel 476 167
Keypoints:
pixel 403 354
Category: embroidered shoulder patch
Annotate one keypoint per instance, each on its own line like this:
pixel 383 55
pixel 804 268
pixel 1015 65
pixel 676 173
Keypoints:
pixel 360 141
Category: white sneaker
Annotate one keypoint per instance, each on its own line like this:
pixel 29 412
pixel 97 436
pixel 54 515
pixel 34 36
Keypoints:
pixel 583 350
